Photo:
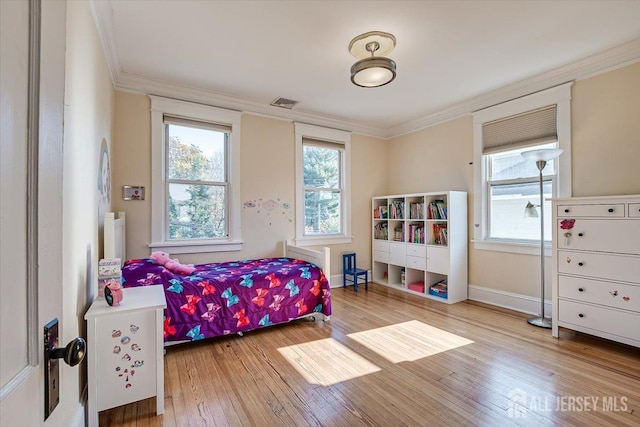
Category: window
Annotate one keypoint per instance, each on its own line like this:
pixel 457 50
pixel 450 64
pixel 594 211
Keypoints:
pixel 322 185
pixel 504 181
pixel 513 181
pixel 195 177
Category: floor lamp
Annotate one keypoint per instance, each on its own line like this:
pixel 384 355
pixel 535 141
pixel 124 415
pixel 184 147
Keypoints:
pixel 541 157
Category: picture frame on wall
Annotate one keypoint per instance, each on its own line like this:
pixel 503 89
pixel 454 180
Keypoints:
pixel 130 192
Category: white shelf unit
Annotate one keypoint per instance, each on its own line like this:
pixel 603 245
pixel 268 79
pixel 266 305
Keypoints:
pixel 408 248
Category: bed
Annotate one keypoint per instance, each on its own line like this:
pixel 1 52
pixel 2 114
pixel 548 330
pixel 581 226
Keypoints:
pixel 233 297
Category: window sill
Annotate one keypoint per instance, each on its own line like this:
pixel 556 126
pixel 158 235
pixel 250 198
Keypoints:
pixel 512 247
pixel 192 247
pixel 322 240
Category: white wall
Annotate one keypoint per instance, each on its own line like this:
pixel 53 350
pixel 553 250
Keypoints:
pixel 89 104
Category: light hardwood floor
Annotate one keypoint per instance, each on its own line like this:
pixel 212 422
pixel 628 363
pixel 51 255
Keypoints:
pixel 387 358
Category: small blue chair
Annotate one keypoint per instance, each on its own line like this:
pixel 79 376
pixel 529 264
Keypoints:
pixel 349 269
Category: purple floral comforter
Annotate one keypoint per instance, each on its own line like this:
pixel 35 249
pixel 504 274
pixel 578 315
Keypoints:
pixel 223 298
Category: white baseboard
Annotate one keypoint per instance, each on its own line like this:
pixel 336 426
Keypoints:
pixel 517 302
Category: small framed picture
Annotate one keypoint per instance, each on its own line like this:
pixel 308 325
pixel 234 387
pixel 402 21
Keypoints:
pixel 130 192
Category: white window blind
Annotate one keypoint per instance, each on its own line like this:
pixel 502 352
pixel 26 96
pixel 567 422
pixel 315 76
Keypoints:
pixel 521 130
pixel 181 121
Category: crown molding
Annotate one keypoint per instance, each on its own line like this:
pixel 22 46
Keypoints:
pixel 103 17
pixel 619 56
pixel 132 83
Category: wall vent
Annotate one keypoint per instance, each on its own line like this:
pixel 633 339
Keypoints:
pixel 284 103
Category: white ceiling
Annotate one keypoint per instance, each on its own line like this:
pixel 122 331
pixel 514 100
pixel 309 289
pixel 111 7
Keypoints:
pixel 453 56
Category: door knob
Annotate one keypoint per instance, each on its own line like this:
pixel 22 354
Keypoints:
pixel 72 354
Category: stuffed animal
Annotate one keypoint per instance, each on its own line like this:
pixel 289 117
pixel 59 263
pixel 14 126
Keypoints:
pixel 173 265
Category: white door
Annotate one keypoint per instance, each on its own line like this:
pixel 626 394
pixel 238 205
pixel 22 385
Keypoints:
pixel 31 200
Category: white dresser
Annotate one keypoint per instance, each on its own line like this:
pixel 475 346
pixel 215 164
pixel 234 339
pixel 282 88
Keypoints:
pixel 596 266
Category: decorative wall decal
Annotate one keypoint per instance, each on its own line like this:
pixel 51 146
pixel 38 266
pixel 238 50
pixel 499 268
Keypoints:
pixel 104 179
pixel 269 208
pixel 125 368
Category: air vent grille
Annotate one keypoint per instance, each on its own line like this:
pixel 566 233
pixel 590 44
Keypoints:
pixel 284 103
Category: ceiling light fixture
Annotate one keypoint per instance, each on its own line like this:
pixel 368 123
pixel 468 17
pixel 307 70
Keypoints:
pixel 372 71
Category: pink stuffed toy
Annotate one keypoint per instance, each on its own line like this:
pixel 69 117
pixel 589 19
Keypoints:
pixel 173 265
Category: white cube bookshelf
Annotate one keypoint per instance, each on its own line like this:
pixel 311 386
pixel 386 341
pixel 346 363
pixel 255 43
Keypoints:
pixel 421 237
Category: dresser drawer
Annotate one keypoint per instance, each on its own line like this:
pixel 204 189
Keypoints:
pixel 611 294
pixel 619 236
pixel 381 256
pixel 616 322
pixel 418 263
pixel 613 210
pixel 634 210
pixel 380 245
pixel 416 250
pixel 625 268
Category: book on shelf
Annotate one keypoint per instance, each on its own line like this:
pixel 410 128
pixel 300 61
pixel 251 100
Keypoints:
pixel 381 231
pixel 398 234
pixel 440 234
pixel 380 212
pixel 416 233
pixel 416 210
pixel 396 209
pixel 438 209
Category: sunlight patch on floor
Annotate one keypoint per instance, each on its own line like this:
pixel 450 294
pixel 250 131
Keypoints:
pixel 326 362
pixel 408 341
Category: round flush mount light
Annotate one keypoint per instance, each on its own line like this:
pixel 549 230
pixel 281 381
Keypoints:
pixel 371 70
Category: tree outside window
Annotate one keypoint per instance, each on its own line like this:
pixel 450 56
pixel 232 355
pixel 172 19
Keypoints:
pixel 322 189
pixel 197 185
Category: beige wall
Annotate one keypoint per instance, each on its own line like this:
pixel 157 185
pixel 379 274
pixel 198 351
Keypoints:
pixel 605 158
pixel 89 103
pixel 132 166
pixel 606 133
pixel 606 150
pixel 267 173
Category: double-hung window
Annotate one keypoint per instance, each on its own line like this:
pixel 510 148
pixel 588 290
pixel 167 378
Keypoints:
pixel 505 181
pixel 195 177
pixel 322 184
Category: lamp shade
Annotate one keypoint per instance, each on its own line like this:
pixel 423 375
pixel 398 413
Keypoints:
pixel 373 72
pixel 544 154
pixel 530 211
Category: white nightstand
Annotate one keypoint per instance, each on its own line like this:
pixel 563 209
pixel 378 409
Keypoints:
pixel 125 350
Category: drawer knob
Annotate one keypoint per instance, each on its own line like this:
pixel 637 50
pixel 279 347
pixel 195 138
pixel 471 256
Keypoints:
pixel 580 315
pixel 580 289
pixel 581 264
pixel 580 234
pixel 566 211
pixel 610 209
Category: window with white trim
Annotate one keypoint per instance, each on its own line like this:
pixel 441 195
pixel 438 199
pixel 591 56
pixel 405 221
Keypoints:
pixel 505 181
pixel 323 214
pixel 195 177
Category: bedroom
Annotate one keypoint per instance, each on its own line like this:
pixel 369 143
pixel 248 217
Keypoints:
pixel 604 107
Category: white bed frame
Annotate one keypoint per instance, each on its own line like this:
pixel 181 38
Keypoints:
pixel 115 242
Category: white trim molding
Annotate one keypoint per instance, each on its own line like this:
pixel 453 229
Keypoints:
pixel 510 300
pixel 324 134
pixel 559 96
pixel 160 106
